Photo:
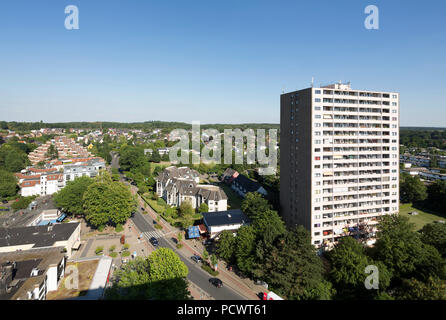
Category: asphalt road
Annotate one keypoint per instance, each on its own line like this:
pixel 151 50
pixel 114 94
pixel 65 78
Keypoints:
pixel 196 275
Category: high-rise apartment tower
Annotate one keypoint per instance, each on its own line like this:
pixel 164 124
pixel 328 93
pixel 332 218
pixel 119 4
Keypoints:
pixel 339 160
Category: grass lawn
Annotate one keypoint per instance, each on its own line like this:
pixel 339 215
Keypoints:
pixel 234 201
pixel 424 216
pixel 153 165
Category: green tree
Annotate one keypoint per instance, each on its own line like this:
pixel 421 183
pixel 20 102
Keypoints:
pixel 22 203
pixel 435 235
pixel 400 248
pixel 8 184
pixel 226 246
pixel 412 189
pixel 245 249
pixel 203 208
pixel 436 198
pixel 186 209
pixel 413 289
pixel 131 157
pixel 155 156
pixel 294 268
pixel 52 152
pixel 161 276
pixel 348 261
pixel 106 201
pixel 205 255
pixel 13 159
pixel 70 198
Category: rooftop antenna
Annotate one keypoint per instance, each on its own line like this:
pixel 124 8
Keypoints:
pixel 283 90
pixel 312 82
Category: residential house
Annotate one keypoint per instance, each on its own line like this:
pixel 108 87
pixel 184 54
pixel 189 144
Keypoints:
pixel 217 222
pixel 242 185
pixel 176 185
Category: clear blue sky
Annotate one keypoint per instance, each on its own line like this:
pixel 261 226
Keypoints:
pixel 214 61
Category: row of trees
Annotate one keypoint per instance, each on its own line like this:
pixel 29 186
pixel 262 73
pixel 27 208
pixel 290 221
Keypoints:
pixel 413 190
pixel 266 250
pixel 101 200
pixel 411 264
pixel 13 158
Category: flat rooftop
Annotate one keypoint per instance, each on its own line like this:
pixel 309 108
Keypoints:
pixel 39 236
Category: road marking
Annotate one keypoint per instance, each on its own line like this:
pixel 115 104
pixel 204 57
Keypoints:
pixel 154 234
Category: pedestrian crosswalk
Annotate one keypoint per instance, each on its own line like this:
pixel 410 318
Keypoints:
pixel 155 234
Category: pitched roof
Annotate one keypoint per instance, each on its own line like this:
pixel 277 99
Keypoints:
pixel 247 184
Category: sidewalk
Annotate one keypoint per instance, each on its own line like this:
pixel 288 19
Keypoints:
pixel 246 287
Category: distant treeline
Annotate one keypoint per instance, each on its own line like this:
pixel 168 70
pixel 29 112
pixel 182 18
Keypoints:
pixel 416 138
pixel 148 125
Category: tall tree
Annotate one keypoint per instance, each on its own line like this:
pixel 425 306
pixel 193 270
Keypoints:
pixel 71 197
pixel 108 201
pixel 435 235
pixel 8 184
pixel 245 249
pixel 437 196
pixel 226 246
pixel 400 248
pixel 161 276
pixel 348 261
pixel 293 266
pixel 412 189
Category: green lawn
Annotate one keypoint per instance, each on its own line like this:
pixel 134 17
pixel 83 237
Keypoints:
pixel 234 201
pixel 423 217
pixel 153 165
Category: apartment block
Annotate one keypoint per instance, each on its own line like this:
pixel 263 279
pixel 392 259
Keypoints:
pixel 66 147
pixel 339 161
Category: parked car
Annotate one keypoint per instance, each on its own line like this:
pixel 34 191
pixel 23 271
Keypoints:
pixel 196 258
pixel 154 241
pixel 216 282
pixel 5 201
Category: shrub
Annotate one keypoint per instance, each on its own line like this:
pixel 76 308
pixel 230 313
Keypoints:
pixel 125 253
pixel 158 226
pixel 126 246
pixel 101 228
pixel 209 270
pixel 179 245
pixel 119 228
pixel 99 250
pixel 112 248
pixel 113 254
pixel 23 203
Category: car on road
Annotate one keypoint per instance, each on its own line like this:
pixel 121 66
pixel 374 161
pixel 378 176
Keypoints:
pixel 5 201
pixel 216 282
pixel 196 258
pixel 154 241
pixel 142 209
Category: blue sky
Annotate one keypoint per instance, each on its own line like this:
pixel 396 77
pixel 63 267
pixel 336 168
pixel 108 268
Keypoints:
pixel 213 61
